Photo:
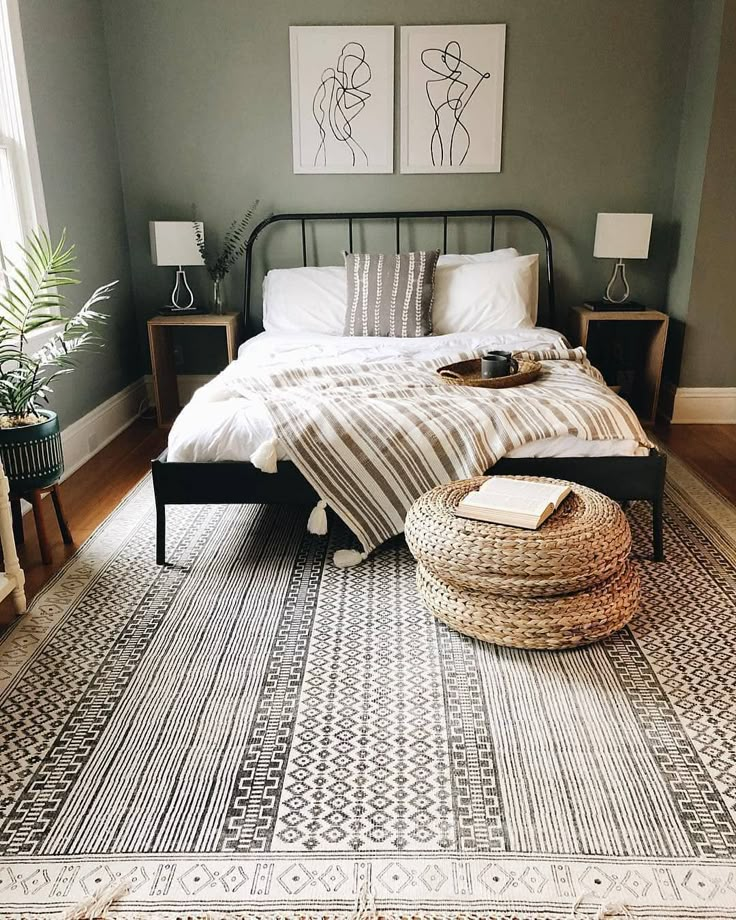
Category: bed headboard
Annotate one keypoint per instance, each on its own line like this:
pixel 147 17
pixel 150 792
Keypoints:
pixel 401 218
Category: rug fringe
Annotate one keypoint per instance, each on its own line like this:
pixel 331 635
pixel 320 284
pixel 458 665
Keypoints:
pixel 365 904
pixel 95 906
pixel 603 912
pixel 606 909
pixel 269 915
pixel 612 909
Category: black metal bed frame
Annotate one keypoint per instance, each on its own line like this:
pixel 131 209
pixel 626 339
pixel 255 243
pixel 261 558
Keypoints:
pixel 350 218
pixel 239 482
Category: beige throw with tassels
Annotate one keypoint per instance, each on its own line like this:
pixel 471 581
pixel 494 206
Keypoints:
pixel 371 440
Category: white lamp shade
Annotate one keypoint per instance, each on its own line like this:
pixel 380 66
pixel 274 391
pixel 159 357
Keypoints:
pixel 622 236
pixel 173 242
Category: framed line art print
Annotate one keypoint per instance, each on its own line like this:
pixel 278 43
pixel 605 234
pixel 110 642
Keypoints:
pixel 342 98
pixel 452 98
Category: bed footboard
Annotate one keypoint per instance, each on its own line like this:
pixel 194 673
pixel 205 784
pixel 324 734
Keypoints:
pixel 621 478
pixel 227 483
pixel 239 483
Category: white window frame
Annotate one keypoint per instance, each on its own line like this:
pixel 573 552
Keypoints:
pixel 18 135
pixel 21 137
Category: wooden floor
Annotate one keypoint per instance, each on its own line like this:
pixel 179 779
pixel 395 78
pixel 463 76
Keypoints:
pixel 709 449
pixel 89 495
pixel 95 489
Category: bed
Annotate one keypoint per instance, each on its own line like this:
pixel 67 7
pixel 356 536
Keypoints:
pixel 214 442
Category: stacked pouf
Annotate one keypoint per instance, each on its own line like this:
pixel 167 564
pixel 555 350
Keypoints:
pixel 568 583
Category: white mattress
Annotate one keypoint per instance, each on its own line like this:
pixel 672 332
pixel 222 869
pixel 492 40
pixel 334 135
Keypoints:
pixel 218 425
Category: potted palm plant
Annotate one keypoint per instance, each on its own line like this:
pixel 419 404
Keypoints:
pixel 32 299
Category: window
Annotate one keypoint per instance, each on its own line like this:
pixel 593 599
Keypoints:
pixel 21 199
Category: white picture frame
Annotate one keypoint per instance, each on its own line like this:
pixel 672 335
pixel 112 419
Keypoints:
pixel 452 98
pixel 342 99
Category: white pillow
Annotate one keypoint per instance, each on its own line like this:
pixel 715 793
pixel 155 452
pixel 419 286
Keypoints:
pixel 479 296
pixel 496 255
pixel 311 299
pixel 314 298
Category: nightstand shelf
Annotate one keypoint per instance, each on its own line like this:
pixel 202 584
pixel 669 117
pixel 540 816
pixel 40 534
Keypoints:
pixel 163 364
pixel 643 332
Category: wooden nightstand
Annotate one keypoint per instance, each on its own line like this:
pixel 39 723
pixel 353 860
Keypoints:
pixel 163 365
pixel 643 333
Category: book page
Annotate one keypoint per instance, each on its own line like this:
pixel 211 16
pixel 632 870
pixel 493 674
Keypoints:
pixel 504 503
pixel 517 495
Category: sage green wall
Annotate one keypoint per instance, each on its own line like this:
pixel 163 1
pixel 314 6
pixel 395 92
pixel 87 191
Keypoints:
pixel 709 358
pixel 691 160
pixel 66 59
pixel 593 100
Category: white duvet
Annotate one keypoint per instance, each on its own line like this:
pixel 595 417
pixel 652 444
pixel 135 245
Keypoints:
pixel 218 425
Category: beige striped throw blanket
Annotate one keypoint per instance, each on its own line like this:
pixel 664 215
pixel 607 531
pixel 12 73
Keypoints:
pixel 372 439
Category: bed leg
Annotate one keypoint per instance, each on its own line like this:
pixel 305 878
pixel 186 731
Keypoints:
pixel 657 530
pixel 160 533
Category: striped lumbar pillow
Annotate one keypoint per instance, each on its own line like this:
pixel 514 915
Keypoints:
pixel 390 295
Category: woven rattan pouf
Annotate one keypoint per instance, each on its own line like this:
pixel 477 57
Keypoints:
pixel 568 583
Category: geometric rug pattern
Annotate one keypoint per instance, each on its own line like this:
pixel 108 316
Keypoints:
pixel 254 732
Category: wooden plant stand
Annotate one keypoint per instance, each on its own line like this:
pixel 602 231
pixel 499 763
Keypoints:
pixel 34 497
pixel 12 579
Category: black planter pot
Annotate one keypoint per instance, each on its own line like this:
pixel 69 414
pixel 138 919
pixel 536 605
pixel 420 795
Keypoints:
pixel 31 454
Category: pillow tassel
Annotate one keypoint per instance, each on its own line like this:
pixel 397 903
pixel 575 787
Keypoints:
pixel 264 458
pixel 345 558
pixel 317 523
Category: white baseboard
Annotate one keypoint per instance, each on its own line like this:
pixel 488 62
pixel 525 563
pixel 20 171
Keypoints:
pixel 89 434
pixel 187 384
pixel 704 405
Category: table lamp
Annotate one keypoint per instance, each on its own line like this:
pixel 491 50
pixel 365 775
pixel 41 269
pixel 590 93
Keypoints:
pixel 173 242
pixel 619 237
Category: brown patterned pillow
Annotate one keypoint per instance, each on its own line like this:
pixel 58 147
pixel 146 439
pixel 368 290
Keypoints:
pixel 390 295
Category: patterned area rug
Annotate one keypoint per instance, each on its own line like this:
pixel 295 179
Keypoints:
pixel 253 732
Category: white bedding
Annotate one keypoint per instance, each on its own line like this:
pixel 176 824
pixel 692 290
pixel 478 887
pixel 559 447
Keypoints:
pixel 216 425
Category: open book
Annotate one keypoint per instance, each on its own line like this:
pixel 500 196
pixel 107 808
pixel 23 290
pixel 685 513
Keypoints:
pixel 517 502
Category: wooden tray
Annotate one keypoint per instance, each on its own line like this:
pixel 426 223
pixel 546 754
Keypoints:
pixel 467 373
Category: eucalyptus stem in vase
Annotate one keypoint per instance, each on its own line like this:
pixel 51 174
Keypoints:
pixel 219 264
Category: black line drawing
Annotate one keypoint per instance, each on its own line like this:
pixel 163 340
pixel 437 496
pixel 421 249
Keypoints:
pixel 449 94
pixel 338 100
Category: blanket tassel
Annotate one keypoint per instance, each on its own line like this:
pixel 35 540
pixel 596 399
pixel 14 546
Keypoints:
pixel 96 904
pixel 265 458
pixel 317 523
pixel 345 558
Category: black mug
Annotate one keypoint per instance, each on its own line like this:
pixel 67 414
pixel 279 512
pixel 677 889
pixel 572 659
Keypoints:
pixel 498 364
